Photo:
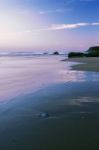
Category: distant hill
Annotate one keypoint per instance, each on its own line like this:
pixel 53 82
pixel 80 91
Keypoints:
pixel 94 49
pixel 91 52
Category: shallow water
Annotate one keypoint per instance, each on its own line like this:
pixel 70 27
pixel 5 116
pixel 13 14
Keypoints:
pixel 23 75
pixel 32 86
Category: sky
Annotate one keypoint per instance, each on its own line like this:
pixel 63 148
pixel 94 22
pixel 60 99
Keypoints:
pixel 33 25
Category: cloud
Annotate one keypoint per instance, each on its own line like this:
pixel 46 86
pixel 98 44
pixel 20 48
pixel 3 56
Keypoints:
pixel 57 27
pixel 95 24
pixel 68 26
pixel 59 10
pixel 71 26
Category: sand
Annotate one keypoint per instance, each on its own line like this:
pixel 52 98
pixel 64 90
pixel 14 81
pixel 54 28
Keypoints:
pixel 73 122
pixel 72 109
pixel 86 64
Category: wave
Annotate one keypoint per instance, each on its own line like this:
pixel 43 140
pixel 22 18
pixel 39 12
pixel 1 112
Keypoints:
pixel 12 54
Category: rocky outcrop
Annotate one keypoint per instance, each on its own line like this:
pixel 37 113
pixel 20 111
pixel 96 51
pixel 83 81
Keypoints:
pixel 56 53
pixel 91 52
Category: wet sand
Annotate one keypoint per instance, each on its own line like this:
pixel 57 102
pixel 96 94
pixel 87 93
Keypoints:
pixel 72 122
pixel 88 64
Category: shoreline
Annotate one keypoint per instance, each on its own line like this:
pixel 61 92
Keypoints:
pixel 86 64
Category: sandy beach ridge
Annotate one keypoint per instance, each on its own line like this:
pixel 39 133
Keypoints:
pixel 85 64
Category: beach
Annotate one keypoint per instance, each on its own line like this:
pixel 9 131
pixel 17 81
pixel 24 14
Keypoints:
pixel 86 63
pixel 51 108
pixel 49 74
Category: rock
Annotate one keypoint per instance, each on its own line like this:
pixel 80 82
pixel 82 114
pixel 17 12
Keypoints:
pixel 94 49
pixel 93 52
pixel 56 53
pixel 75 54
pixel 44 115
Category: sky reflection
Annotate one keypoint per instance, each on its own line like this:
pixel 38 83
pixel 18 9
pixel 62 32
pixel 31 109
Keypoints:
pixel 19 76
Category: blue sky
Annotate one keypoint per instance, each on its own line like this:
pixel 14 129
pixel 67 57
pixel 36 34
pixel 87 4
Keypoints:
pixel 49 24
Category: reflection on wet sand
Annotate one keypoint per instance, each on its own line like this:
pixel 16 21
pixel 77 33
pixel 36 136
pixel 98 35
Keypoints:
pixel 63 113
